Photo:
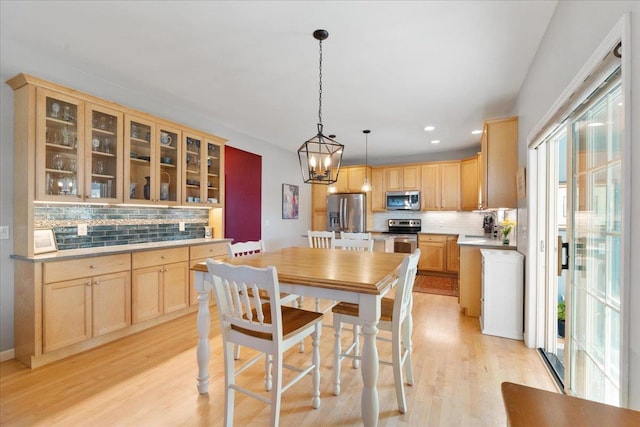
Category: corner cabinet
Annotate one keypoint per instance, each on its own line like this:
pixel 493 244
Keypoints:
pixel 469 188
pixel 499 163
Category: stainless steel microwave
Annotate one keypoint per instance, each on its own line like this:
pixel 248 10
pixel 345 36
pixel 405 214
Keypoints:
pixel 403 200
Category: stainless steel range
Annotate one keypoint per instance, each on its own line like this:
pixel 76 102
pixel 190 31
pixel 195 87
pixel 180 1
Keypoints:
pixel 405 234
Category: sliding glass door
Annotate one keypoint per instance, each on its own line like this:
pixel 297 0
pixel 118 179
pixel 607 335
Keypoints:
pixel 595 244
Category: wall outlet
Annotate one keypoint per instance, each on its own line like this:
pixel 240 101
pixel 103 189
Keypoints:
pixel 181 226
pixel 82 230
pixel 4 232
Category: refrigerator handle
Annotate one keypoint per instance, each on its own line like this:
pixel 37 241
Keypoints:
pixel 342 205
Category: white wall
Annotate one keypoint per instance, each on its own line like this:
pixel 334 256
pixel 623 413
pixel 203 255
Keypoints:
pixel 278 166
pixel 575 31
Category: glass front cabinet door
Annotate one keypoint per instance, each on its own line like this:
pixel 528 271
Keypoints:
pixel 169 144
pixel 140 171
pixel 201 168
pixel 59 147
pixel 103 164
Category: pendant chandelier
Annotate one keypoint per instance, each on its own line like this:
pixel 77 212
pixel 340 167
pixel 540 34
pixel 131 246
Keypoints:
pixel 320 156
pixel 366 187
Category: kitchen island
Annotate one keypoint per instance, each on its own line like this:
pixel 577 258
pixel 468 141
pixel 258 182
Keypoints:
pixel 470 278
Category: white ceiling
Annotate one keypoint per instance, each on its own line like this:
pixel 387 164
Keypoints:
pixel 389 66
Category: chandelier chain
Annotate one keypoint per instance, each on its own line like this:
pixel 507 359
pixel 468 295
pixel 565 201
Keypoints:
pixel 320 88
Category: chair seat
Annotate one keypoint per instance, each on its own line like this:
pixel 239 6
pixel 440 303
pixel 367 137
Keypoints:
pixel 293 320
pixel 351 309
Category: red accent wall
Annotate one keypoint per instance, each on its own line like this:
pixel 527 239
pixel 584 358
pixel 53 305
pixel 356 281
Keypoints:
pixel 243 195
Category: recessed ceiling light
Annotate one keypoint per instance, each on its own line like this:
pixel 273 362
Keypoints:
pixel 435 141
pixel 476 132
pixel 429 128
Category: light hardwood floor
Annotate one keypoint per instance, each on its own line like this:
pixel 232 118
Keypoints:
pixel 149 379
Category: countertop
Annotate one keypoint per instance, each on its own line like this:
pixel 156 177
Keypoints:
pixel 115 249
pixel 482 241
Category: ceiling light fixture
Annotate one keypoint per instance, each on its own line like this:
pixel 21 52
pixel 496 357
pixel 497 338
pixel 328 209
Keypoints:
pixel 320 156
pixel 476 132
pixel 435 141
pixel 429 128
pixel 366 187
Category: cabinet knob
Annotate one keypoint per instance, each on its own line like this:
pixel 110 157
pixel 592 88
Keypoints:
pixel 88 284
pixel 163 256
pixel 92 266
pixel 96 283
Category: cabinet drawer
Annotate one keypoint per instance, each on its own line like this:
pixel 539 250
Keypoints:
pixel 85 267
pixel 159 257
pixel 432 238
pixel 211 250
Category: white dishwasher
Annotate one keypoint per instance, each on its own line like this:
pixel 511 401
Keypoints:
pixel 502 303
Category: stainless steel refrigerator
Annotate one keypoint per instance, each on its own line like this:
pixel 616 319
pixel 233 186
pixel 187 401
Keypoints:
pixel 347 212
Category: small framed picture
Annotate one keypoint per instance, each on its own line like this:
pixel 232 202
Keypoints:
pixel 290 195
pixel 521 183
pixel 44 240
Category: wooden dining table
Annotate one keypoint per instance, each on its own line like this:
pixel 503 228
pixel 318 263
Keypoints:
pixel 350 276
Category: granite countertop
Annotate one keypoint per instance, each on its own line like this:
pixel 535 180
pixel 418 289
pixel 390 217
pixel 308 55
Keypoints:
pixel 482 241
pixel 116 249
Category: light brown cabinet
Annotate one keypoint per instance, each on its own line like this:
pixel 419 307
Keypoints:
pixel 78 149
pixel 402 177
pixel 159 282
pixel 453 254
pixel 499 163
pixel 378 192
pixel 432 252
pixel 440 186
pixel 438 253
pixel 469 188
pixel 83 299
pixel 198 254
pixel 202 169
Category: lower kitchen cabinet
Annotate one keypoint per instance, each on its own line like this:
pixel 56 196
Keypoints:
pixel 432 252
pixel 160 282
pixel 470 280
pixel 83 299
pixel 453 254
pixel 198 254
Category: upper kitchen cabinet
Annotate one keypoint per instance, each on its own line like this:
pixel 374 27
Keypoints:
pixel 378 199
pixel 440 189
pixel 202 171
pixel 152 169
pixel 406 177
pixel 350 179
pixel 469 189
pixel 499 163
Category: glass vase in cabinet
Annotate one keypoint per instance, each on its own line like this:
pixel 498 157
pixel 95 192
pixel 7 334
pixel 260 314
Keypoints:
pixel 141 169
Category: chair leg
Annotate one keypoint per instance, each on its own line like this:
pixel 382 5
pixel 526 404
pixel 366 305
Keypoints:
pixel 356 346
pixel 276 390
pixel 315 402
pixel 408 348
pixel 396 354
pixel 236 352
pixel 268 383
pixel 229 380
pixel 337 350
pixel 299 302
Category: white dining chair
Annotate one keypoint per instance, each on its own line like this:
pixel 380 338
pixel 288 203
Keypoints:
pixel 322 240
pixel 249 248
pixel 353 244
pixel 267 327
pixel 353 235
pixel 395 317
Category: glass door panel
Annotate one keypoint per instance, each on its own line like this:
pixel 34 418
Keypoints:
pixel 169 164
pixel 595 319
pixel 59 147
pixel 213 173
pixel 141 169
pixel 104 143
pixel 192 169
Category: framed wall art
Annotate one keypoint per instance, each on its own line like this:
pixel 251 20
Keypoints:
pixel 290 195
pixel 521 183
pixel 44 240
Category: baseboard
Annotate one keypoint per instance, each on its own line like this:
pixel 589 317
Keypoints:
pixel 7 355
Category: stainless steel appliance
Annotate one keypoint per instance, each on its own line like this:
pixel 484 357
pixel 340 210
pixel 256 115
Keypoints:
pixel 405 234
pixel 403 200
pixel 347 212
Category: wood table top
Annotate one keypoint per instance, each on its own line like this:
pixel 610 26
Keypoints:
pixel 532 407
pixel 364 272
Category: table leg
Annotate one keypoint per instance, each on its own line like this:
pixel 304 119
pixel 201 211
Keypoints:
pixel 370 404
pixel 203 332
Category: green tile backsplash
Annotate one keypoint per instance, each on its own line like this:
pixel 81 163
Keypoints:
pixel 108 225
